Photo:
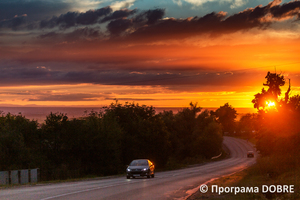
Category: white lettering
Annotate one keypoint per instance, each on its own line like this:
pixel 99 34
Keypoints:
pixel 249 189
pixel 279 188
pixel 272 188
pixel 221 190
pixel 265 188
pixel 212 188
pixel 227 189
pixel 236 190
pixel 243 190
pixel 291 188
pixel 285 189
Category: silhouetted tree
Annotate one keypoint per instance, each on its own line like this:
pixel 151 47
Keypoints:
pixel 19 142
pixel 193 134
pixel 274 82
pixel 54 132
pixel 246 125
pixel 144 134
pixel 226 116
pixel 278 126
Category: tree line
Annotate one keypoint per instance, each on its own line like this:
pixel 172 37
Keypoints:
pixel 104 142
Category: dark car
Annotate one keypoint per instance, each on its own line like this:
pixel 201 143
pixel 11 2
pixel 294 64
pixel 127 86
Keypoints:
pixel 140 168
pixel 250 154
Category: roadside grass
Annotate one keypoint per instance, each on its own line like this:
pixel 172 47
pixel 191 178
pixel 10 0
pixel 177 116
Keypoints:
pixel 256 176
pixel 173 164
pixel 85 178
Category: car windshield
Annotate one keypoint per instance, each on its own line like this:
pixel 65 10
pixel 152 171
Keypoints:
pixel 139 163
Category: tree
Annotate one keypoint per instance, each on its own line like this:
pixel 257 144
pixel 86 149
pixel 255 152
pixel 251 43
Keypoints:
pixel 209 141
pixel 294 103
pixel 54 131
pixel 19 142
pixel 194 135
pixel 274 82
pixel 144 135
pixel 247 125
pixel 226 116
pixel 184 127
pixel 280 124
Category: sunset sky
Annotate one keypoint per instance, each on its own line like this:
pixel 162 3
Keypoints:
pixel 164 53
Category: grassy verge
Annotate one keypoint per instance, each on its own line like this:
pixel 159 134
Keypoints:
pixel 192 162
pixel 256 176
pixel 86 178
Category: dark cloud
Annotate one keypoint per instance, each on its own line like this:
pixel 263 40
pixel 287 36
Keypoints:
pixel 118 14
pixel 150 24
pixel 118 26
pixel 81 97
pixel 154 15
pixel 286 10
pixel 218 23
pixel 49 23
pixel 68 97
pixel 14 23
pixel 91 17
pixel 149 17
pixel 121 24
pixel 71 19
pixel 78 34
pixel 45 76
pixel 66 20
pixel 119 21
pixel 84 33
pixel 139 99
pixel 26 75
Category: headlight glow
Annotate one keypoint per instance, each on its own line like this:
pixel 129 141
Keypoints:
pixel 128 169
pixel 145 169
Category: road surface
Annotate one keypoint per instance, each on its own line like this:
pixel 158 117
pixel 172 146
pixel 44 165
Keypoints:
pixel 176 184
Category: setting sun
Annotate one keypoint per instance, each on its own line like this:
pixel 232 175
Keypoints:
pixel 270 104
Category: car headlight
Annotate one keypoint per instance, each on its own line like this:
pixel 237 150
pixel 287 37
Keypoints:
pixel 128 169
pixel 145 169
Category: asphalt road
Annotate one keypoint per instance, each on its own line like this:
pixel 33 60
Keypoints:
pixel 177 184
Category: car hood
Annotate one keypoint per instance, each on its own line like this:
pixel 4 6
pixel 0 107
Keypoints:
pixel 137 167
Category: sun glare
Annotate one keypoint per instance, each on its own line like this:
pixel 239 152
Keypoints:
pixel 270 104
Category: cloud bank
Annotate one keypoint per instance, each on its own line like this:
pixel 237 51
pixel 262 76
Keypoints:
pixel 119 46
